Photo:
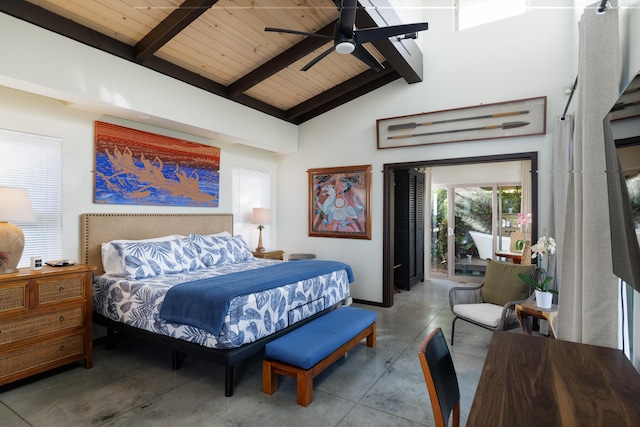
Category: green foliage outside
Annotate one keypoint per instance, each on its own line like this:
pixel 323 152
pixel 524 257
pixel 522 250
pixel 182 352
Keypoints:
pixel 472 212
pixel 439 241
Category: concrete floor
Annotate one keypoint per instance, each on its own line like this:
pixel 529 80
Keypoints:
pixel 133 384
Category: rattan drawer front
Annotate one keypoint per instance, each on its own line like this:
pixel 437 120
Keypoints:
pixel 32 357
pixel 58 289
pixel 20 329
pixel 13 297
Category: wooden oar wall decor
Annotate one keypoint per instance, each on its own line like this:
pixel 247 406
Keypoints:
pixel 465 124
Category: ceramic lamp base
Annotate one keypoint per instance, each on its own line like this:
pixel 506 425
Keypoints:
pixel 260 248
pixel 11 245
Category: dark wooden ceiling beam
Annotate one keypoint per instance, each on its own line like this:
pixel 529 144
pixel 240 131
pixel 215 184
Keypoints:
pixel 178 20
pixel 404 56
pixel 356 93
pixel 196 80
pixel 280 62
pixel 346 91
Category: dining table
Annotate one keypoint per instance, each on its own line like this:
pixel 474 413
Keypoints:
pixel 536 381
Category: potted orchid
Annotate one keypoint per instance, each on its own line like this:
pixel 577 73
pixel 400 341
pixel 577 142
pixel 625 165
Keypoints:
pixel 523 223
pixel 544 248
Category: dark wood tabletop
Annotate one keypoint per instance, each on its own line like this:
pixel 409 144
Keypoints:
pixel 537 381
pixel 515 256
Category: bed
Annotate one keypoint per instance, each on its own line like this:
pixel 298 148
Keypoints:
pixel 141 302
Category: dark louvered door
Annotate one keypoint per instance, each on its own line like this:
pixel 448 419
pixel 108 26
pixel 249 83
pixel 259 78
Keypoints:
pixel 409 228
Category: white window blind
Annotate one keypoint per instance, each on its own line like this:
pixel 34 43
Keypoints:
pixel 250 189
pixel 34 162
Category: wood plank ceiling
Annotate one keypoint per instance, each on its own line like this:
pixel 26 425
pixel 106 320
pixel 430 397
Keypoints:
pixel 221 46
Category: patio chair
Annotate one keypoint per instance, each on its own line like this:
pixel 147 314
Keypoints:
pixel 491 305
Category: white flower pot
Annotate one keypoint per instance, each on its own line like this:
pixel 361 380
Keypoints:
pixel 544 299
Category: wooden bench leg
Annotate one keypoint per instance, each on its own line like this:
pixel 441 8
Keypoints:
pixel 304 381
pixel 371 338
pixel 269 378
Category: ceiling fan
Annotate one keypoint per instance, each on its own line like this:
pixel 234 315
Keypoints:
pixel 348 40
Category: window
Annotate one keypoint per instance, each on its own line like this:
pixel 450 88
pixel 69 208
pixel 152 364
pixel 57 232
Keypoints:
pixel 251 189
pixel 471 13
pixel 34 162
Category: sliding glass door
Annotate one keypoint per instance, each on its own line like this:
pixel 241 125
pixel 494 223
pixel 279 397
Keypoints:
pixel 469 223
pixel 471 241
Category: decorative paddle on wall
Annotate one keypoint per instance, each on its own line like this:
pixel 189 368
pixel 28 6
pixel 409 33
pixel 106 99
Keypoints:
pixel 348 40
pixel 413 125
pixel 506 125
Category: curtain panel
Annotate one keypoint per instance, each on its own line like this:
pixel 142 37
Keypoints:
pixel 588 287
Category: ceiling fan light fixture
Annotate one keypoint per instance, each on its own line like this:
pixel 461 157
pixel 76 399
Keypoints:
pixel 345 47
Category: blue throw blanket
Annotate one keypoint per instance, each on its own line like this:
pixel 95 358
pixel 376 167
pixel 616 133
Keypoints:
pixel 204 303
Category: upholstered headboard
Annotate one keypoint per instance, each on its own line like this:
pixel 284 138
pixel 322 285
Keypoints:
pixel 99 228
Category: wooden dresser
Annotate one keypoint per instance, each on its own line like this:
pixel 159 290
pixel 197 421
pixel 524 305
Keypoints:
pixel 45 320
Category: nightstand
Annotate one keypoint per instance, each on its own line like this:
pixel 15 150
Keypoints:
pixel 45 320
pixel 269 254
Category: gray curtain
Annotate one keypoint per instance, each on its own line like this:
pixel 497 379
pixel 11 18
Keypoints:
pixel 561 167
pixel 587 304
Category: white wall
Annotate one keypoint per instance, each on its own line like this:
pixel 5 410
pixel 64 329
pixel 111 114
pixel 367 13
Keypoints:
pixel 521 57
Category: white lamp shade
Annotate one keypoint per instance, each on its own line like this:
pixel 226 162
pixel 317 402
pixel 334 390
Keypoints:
pixel 15 205
pixel 261 216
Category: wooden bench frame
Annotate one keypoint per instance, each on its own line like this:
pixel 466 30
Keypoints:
pixel 304 377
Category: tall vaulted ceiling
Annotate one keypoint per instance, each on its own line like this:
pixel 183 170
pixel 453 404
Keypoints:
pixel 220 46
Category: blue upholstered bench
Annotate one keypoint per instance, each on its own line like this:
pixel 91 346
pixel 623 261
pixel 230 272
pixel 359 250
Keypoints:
pixel 307 351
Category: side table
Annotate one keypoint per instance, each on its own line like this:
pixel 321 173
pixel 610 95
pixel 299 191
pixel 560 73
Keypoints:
pixel 526 311
pixel 269 254
pixel 515 256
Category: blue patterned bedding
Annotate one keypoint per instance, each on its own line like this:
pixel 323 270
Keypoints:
pixel 250 317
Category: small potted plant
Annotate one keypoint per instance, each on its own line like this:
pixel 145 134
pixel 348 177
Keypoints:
pixel 545 247
pixel 523 223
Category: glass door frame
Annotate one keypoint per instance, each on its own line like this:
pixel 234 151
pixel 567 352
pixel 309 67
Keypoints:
pixel 388 203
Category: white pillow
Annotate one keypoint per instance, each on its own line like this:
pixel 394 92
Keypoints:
pixel 111 261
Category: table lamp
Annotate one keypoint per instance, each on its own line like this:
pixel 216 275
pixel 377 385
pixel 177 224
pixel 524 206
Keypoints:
pixel 14 206
pixel 262 217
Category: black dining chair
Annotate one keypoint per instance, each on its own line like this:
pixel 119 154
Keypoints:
pixel 440 376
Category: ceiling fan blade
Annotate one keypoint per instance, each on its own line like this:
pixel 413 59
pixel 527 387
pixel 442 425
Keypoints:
pixel 300 33
pixel 347 20
pixel 318 58
pixel 365 56
pixel 365 35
